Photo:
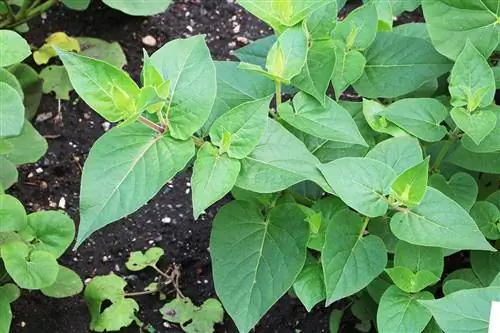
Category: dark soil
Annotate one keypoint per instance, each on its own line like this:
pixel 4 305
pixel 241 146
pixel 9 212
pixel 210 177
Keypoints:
pixel 166 221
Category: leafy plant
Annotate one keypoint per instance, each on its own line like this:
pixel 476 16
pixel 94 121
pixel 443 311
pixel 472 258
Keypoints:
pixel 360 196
pixel 122 310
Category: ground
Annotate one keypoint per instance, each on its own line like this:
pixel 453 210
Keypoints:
pixel 71 128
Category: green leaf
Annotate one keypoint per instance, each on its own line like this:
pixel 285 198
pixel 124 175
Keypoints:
pixel 373 112
pixel 477 23
pixel 8 294
pixel 121 312
pixel 472 83
pixel 410 186
pixel 362 183
pixel 138 260
pixel 321 22
pixel 55 78
pixel 214 175
pixel 256 52
pixel 331 122
pixel 76 4
pixel 67 284
pixel 139 7
pixel 401 6
pixel 8 78
pixel 256 259
pixel 399 153
pixel 411 282
pixel 279 161
pixel 309 285
pixel 380 227
pixel 385 14
pixel 138 164
pixel 31 83
pixel 420 117
pixel 11 111
pixel 327 207
pixel 490 143
pixel 288 55
pixel 281 12
pixel 236 86
pixel 13 48
pixel 477 125
pixel 49 231
pixel 487 217
pixel 413 30
pixel 359 28
pixel 397 65
pixel 440 222
pixel 465 310
pixel 244 125
pixel 461 187
pixel 364 307
pixel 30 269
pixel 349 66
pixel 193 319
pixel 192 77
pixel 12 214
pixel 9 174
pixel 350 261
pixel 418 258
pixel 317 71
pixel 94 81
pixel 482 162
pixel 402 312
pixel 27 147
pixel 378 286
pixel 485 265
pixel 111 53
pixel 335 320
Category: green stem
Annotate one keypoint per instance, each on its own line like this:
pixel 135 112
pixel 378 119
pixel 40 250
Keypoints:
pixel 365 224
pixel 278 93
pixel 162 119
pixel 198 142
pixel 10 13
pixel 444 151
pixel 24 7
pixel 140 293
pixel 28 15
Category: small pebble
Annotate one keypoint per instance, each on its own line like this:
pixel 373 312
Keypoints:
pixel 149 40
pixel 105 126
pixel 166 219
pixel 62 203
pixel 38 170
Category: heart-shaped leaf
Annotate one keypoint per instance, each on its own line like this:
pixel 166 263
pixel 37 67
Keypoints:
pixel 138 260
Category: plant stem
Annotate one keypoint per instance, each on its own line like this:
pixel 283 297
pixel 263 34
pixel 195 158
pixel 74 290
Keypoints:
pixel 278 94
pixel 145 121
pixel 198 142
pixel 445 149
pixel 365 224
pixel 11 16
pixel 140 293
pixel 161 118
pixel 169 278
pixel 27 15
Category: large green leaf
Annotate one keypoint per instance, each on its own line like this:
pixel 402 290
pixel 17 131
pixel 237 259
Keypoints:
pixel 11 111
pixel 487 217
pixel 482 162
pixel 256 259
pixel 214 175
pixel 401 312
pixel 316 73
pixel 256 52
pixel 31 83
pixel 288 55
pixel 350 261
pixel 238 131
pixel 139 7
pixel 398 153
pixel 8 78
pixel 349 66
pixel 95 80
pixel 421 117
pixel 67 284
pixel 465 310
pixel 331 122
pixel 359 28
pixel 418 258
pixel 440 222
pixel 236 86
pixel 49 231
pixel 30 269
pixel 413 30
pixel 189 67
pixel 362 183
pixel 321 22
pixel 472 83
pixel 461 187
pixel 8 293
pixel 27 147
pixel 486 265
pixel 380 227
pixel 309 285
pixel 12 214
pixel 477 125
pixel 13 48
pixel 279 161
pixel 137 163
pixel 452 23
pixel 397 64
pixel 279 12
